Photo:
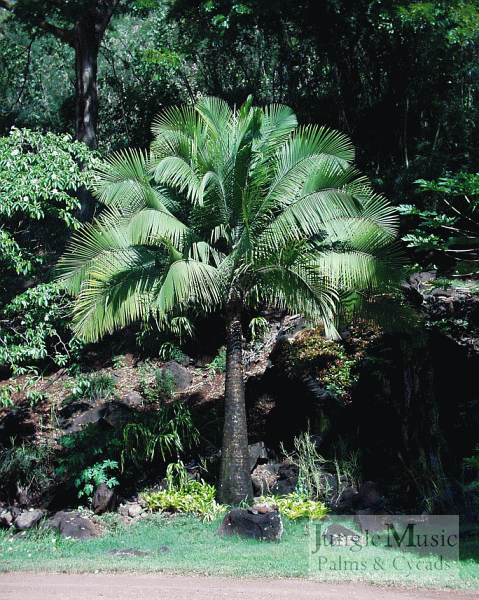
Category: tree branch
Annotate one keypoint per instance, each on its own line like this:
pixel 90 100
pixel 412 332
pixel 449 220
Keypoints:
pixel 107 16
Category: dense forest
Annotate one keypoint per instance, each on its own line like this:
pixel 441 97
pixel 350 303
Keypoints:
pixel 396 80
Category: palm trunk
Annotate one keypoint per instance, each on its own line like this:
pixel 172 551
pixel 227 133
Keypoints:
pixel 235 477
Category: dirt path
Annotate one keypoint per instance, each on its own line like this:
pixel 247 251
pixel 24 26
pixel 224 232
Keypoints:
pixel 61 586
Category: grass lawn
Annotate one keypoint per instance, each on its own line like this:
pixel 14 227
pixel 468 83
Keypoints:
pixel 193 548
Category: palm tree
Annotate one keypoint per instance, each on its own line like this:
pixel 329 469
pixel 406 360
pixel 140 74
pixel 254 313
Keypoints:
pixel 229 207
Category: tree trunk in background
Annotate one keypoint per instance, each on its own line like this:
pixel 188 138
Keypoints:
pixel 86 42
pixel 235 478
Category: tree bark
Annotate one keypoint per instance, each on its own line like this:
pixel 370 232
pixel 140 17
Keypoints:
pixel 235 483
pixel 86 43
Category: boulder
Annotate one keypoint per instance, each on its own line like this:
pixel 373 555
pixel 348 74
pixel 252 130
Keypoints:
pixel 250 523
pixel 116 412
pixel 73 525
pixel 347 498
pixel 257 455
pixel 104 500
pixel 131 509
pixel 134 510
pixel 28 519
pixel 6 519
pixel 181 375
pixel 133 399
pixel 287 479
pixel 369 498
pixel 260 486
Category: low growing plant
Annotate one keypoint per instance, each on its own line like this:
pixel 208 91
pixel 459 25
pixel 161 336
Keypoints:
pixel 218 363
pixel 162 388
pixel 185 495
pixel 297 506
pixel 91 477
pixel 158 436
pixel 91 387
pixel 25 467
pixel 310 464
pixel 169 351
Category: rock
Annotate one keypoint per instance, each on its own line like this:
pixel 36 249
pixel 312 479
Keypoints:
pixel 131 509
pixel 369 498
pixel 287 479
pixel 72 525
pixel 28 519
pixel 370 522
pixel 116 413
pixel 6 519
pixel 181 375
pixel 134 510
pixel 288 470
pixel 260 486
pixel 262 509
pixel 338 535
pixel 347 498
pixel 133 399
pixel 104 500
pixel 268 527
pixel 257 455
pixel 263 478
pixel 126 552
pixel 283 487
pixel 203 360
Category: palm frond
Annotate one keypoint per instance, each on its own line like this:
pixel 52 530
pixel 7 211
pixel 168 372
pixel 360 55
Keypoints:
pixel 124 179
pixel 178 174
pixel 151 227
pixel 188 281
pixel 218 117
pixel 116 292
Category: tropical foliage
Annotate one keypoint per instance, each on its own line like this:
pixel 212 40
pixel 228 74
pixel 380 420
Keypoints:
pixel 230 207
pixel 39 174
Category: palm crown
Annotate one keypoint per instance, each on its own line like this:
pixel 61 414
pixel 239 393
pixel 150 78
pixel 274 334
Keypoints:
pixel 229 207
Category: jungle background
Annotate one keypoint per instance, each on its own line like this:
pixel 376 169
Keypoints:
pixel 398 407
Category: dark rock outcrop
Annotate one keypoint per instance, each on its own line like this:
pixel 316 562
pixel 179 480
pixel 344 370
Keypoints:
pixel 73 525
pixel 251 523
pixel 104 500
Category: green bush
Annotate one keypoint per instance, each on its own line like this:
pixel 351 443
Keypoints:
pixel 91 387
pixel 297 506
pixel 145 443
pixel 184 495
pixel 162 388
pixel 26 467
pixel 448 228
pixel 218 363
pixel 161 436
pixel 38 172
pixel 91 477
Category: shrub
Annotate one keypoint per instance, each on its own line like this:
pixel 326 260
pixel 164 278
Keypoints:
pixel 162 388
pixel 91 477
pixel 91 387
pixel 185 495
pixel 218 363
pixel 26 468
pixel 159 435
pixel 296 506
